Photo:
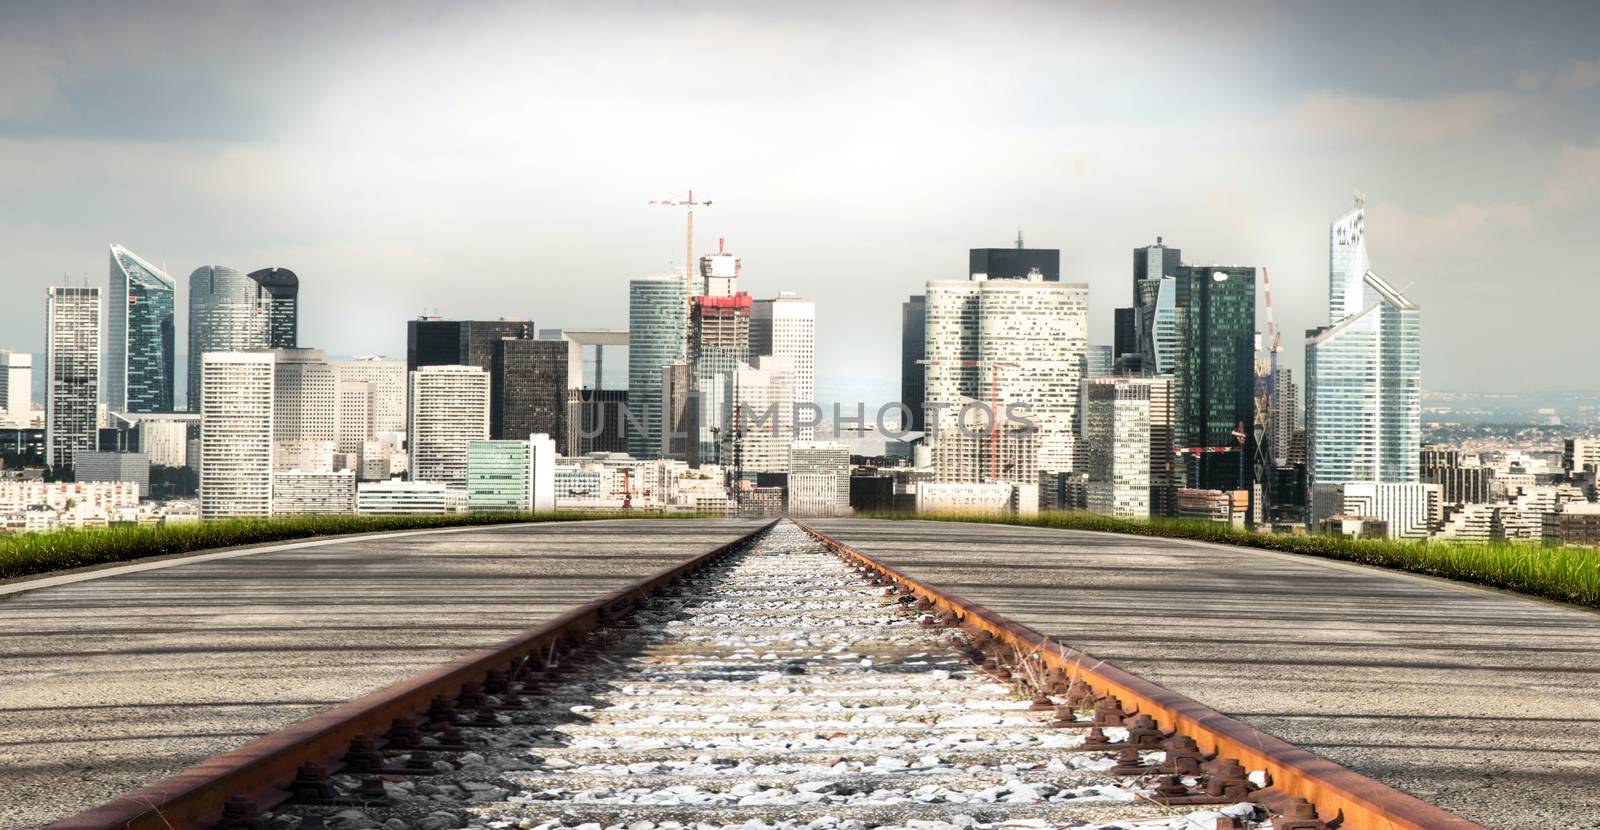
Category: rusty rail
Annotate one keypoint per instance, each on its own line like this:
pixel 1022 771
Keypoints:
pixel 195 798
pixel 1338 793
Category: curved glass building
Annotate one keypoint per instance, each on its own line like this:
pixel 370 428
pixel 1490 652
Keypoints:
pixel 226 314
pixel 657 326
pixel 141 342
pixel 278 291
pixel 1363 371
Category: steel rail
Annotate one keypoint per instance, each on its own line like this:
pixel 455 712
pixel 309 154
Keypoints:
pixel 1337 792
pixel 194 798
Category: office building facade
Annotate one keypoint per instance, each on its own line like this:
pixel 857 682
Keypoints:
pixel 225 315
pixel 431 341
pixel 1363 371
pixel 786 328
pixel 141 337
pixel 1117 430
pixel 278 297
pixel 236 433
pixel 449 410
pixel 819 479
pixel 16 385
pixel 511 475
pixel 913 350
pixel 72 366
pixel 657 338
pixel 305 410
pixel 994 345
pixel 1215 372
pixel 1015 263
pixel 528 389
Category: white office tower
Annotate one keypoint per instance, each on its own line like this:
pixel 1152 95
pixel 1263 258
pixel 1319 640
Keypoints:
pixel 994 344
pixel 819 479
pixel 449 410
pixel 236 414
pixel 763 416
pixel 1117 430
pixel 386 382
pixel 72 373
pixel 1363 371
pixel 164 440
pixel 16 384
pixel 786 327
pixel 304 411
pixel 658 319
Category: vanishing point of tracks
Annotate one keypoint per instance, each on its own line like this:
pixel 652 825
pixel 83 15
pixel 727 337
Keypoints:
pixel 783 683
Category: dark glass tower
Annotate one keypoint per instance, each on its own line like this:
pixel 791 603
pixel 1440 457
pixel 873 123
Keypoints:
pixel 1216 314
pixel 913 348
pixel 278 294
pixel 528 390
pixel 1015 263
pixel 434 342
pixel 141 342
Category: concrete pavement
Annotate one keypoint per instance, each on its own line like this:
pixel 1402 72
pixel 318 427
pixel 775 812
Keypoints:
pixel 119 680
pixel 1482 702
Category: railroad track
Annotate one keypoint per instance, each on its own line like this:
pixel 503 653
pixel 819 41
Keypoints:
pixel 786 682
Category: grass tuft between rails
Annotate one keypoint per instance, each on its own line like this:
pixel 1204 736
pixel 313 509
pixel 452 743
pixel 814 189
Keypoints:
pixel 36 553
pixel 1565 574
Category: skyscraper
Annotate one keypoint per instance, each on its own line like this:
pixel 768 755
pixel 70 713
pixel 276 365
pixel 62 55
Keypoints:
pixel 16 384
pixel 226 314
pixel 787 328
pixel 236 433
pixel 305 411
pixel 1363 371
pixel 1117 430
pixel 992 344
pixel 1215 370
pixel 1148 338
pixel 913 350
pixel 72 366
pixel 449 410
pixel 141 341
pixel 278 295
pixel 431 341
pixel 657 326
pixel 719 342
pixel 528 389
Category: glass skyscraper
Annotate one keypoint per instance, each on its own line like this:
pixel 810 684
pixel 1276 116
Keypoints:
pixel 141 343
pixel 1215 314
pixel 1363 371
pixel 225 315
pixel 658 318
pixel 278 293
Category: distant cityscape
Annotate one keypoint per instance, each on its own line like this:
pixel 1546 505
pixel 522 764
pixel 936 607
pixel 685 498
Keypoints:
pixel 1005 407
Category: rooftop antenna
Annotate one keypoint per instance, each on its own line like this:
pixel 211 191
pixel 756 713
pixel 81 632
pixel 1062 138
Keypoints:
pixel 1019 237
pixel 1361 200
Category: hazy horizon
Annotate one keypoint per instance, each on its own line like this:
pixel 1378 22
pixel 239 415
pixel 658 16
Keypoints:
pixel 492 159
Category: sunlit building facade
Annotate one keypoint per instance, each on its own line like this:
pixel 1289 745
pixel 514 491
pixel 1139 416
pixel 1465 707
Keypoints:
pixel 657 337
pixel 1363 371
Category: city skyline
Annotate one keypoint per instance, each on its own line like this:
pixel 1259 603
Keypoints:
pixel 1463 191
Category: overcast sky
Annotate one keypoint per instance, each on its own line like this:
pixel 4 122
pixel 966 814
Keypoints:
pixel 480 159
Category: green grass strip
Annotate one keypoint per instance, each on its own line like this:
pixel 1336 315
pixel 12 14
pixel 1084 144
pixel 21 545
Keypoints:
pixel 1565 574
pixel 28 554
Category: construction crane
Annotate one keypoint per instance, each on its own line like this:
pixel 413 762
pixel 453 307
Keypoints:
pixel 994 404
pixel 689 204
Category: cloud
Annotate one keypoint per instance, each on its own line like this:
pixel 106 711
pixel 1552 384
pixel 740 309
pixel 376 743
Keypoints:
pixel 1579 76
pixel 1343 118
